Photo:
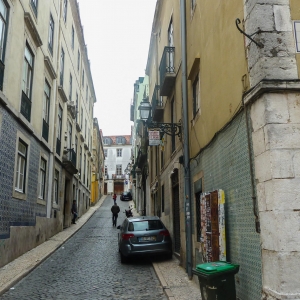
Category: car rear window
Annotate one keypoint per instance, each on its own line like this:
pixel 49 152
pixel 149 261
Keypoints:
pixel 145 225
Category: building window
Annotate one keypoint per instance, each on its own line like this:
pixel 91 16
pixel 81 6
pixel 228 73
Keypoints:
pixel 82 78
pixel 34 5
pixel 27 83
pixel 195 96
pixel 46 107
pixel 80 162
pixel 87 93
pixel 78 60
pixel 297 35
pixel 62 66
pixel 73 37
pixel 3 24
pixel 42 178
pixel 105 152
pixel 105 170
pixel 65 10
pixel 162 198
pixel 81 119
pixel 56 186
pixel 120 140
pixel 21 167
pixel 118 169
pixel 85 128
pixel 59 128
pixel 51 34
pixel 84 168
pixel 3 32
pixel 119 152
pixel 76 107
pixel 70 87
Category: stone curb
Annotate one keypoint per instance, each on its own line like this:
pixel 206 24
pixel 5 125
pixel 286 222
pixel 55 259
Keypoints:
pixel 16 270
pixel 163 282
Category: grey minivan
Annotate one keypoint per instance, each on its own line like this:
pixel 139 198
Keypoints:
pixel 144 235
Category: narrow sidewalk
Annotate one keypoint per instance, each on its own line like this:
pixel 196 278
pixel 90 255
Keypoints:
pixel 171 275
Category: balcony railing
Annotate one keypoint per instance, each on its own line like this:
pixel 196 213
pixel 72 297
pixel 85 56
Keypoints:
pixel 167 71
pixel 1 74
pixel 25 106
pixel 157 104
pixel 69 161
pixel 115 176
pixel 45 132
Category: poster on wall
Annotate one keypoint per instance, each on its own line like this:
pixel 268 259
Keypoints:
pixel 213 242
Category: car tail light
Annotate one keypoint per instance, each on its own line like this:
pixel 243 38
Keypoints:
pixel 165 233
pixel 127 236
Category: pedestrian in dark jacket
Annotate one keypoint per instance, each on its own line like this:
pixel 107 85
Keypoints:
pixel 74 211
pixel 115 209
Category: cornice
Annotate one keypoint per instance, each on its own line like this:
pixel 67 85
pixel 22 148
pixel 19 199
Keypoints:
pixel 33 30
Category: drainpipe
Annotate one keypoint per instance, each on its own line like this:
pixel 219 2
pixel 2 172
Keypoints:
pixel 186 150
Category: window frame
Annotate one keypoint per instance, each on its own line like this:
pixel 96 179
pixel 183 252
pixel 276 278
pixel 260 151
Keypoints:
pixel 62 67
pixel 42 177
pixel 73 38
pixel 119 170
pixel 51 34
pixel 119 152
pixel 65 10
pixel 46 102
pixel 28 67
pixel 296 36
pixel 24 157
pixel 56 187
pixel 3 34
pixel 70 87
pixel 34 6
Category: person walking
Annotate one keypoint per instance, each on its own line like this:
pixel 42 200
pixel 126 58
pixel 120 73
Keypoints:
pixel 115 209
pixel 74 211
pixel 115 198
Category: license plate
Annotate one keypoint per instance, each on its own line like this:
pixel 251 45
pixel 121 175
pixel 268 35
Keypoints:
pixel 148 239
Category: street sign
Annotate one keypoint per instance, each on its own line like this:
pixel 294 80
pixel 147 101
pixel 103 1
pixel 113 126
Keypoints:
pixel 154 138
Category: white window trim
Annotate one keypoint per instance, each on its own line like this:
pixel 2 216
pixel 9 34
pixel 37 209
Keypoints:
pixel 18 194
pixel 296 35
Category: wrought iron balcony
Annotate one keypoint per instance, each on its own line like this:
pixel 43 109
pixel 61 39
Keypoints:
pixel 69 161
pixel 167 71
pixel 25 106
pixel 45 132
pixel 157 105
pixel 115 176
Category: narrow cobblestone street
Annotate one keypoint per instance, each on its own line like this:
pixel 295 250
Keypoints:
pixel 88 267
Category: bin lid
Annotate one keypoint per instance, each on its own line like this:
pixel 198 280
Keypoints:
pixel 216 266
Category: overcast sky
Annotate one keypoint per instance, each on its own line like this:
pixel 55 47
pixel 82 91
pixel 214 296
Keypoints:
pixel 117 34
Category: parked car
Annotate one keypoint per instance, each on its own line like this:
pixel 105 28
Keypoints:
pixel 143 235
pixel 126 196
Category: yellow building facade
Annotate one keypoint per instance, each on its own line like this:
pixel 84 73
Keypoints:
pixel 242 78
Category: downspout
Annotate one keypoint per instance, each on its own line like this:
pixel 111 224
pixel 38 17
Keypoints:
pixel 186 150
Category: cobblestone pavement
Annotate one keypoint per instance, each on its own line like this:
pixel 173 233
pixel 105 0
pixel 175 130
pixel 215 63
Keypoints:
pixel 88 267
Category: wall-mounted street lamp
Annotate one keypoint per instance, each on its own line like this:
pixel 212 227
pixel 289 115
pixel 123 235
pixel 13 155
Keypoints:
pixel 145 109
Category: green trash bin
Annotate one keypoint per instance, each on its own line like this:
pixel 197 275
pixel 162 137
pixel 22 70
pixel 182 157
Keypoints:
pixel 216 280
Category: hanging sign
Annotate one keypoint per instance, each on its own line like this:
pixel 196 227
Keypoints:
pixel 154 138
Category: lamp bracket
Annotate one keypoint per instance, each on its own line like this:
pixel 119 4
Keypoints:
pixel 167 128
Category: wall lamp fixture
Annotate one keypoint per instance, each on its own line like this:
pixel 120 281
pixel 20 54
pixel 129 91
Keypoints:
pixel 145 109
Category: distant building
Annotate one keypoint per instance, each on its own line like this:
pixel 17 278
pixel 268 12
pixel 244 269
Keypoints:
pixel 118 155
pixel 97 164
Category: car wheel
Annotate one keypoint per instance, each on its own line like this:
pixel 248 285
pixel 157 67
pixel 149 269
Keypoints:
pixel 123 258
